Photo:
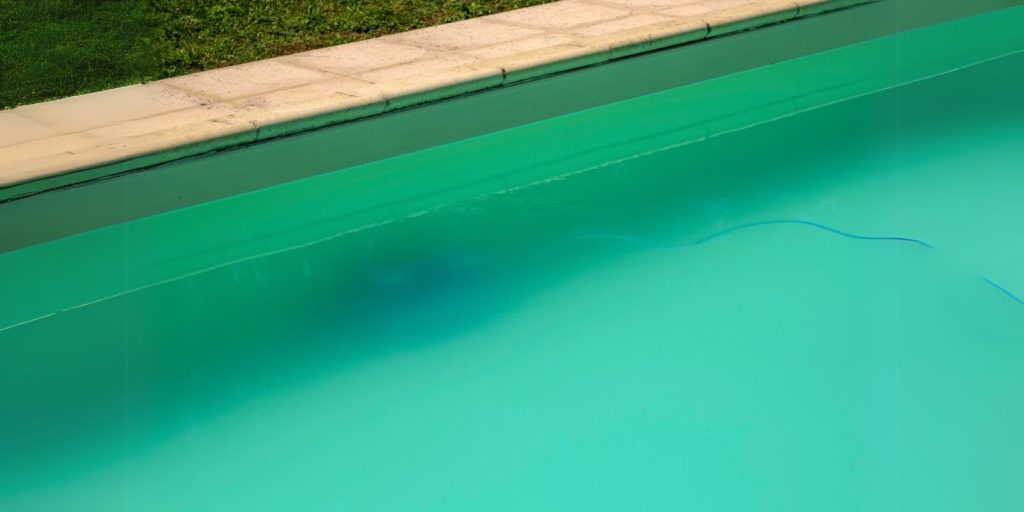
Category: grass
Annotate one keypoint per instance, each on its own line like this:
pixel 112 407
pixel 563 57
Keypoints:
pixel 55 48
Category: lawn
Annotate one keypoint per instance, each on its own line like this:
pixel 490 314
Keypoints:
pixel 55 48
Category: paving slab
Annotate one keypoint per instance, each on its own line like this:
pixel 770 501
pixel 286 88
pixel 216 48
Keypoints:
pixel 529 44
pixel 247 79
pixel 77 113
pixel 561 15
pixel 182 116
pixel 311 105
pixel 359 57
pixel 17 129
pixel 729 19
pixel 464 35
pixel 622 25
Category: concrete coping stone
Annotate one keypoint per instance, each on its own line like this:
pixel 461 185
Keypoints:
pixel 44 144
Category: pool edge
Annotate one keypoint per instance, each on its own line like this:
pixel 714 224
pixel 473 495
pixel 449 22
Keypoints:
pixel 208 111
pixel 87 199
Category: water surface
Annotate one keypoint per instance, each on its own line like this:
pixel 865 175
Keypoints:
pixel 814 309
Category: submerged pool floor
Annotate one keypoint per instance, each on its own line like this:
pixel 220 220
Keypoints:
pixel 822 310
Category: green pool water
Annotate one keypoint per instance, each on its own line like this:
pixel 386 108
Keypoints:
pixel 794 288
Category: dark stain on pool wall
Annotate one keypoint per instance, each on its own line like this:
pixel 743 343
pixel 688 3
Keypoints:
pixel 420 290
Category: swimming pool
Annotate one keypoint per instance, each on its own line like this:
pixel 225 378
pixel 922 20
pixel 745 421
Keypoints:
pixel 795 287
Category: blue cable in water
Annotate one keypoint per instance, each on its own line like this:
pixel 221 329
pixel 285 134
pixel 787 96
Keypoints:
pixel 645 243
pixel 1006 292
pixel 823 227
pixel 830 229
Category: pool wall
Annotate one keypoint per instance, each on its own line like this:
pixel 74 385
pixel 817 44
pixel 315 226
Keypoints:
pixel 293 216
pixel 50 189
